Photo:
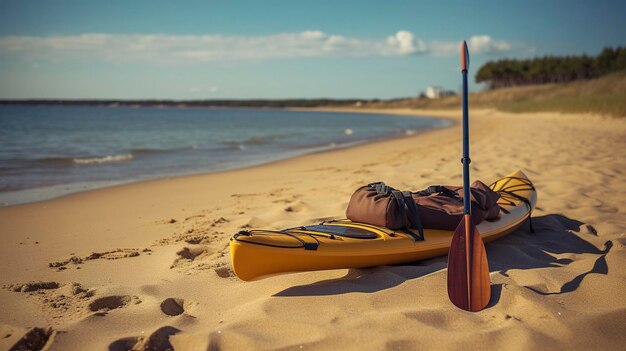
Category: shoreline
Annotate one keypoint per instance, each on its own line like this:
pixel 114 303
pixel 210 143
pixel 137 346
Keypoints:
pixel 131 264
pixel 75 188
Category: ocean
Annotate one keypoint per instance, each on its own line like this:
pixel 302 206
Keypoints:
pixel 49 151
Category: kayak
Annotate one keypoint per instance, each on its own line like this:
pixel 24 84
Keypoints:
pixel 342 243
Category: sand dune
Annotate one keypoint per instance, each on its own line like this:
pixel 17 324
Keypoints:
pixel 146 265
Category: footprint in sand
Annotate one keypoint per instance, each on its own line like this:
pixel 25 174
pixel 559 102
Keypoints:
pixel 197 235
pixel 107 255
pixel 188 255
pixel 32 286
pixel 112 302
pixel 173 306
pixel 224 272
pixel 32 339
pixel 56 300
pixel 157 341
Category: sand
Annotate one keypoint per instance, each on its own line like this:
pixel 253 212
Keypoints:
pixel 146 265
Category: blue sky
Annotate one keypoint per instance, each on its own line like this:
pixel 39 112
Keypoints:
pixel 279 49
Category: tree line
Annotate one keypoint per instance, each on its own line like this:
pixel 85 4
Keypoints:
pixel 551 69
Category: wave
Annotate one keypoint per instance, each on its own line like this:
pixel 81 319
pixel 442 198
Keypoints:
pixel 255 140
pixel 148 151
pixel 105 159
pixel 87 160
pixel 71 160
pixel 325 146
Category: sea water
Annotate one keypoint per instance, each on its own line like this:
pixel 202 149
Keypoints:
pixel 48 151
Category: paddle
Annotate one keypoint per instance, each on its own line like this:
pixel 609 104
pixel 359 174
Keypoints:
pixel 468 270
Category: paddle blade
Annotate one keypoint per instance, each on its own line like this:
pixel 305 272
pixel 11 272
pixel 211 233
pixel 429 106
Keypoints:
pixel 468 270
pixel 464 57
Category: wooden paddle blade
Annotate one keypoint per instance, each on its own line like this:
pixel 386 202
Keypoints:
pixel 464 57
pixel 468 270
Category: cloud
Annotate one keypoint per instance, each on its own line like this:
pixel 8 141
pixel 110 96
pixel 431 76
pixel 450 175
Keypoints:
pixel 484 44
pixel 405 43
pixel 164 48
pixel 477 45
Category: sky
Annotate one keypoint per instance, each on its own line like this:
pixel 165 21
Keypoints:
pixel 188 50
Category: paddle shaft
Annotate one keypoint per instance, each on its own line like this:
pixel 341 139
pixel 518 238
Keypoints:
pixel 467 209
pixel 466 160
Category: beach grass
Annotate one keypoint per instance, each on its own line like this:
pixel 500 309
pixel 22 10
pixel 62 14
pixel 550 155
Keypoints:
pixel 605 95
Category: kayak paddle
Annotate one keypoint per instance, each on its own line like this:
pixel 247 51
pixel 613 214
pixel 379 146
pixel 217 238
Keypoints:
pixel 468 270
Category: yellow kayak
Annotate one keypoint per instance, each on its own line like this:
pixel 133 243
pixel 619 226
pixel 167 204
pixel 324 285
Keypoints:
pixel 345 244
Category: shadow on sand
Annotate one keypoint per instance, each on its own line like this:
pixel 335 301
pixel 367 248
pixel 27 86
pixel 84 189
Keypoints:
pixel 554 235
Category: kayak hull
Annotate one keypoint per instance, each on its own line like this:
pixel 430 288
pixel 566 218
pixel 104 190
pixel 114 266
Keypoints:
pixel 260 253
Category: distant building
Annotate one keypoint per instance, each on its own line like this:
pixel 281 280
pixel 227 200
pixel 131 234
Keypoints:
pixel 436 92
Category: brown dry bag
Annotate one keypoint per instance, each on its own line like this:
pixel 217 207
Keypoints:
pixel 382 205
pixel 437 207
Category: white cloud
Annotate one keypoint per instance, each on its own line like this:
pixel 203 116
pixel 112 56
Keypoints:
pixel 484 44
pixel 405 43
pixel 164 48
pixel 477 45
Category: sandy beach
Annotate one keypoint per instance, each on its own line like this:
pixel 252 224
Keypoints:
pixel 147 266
